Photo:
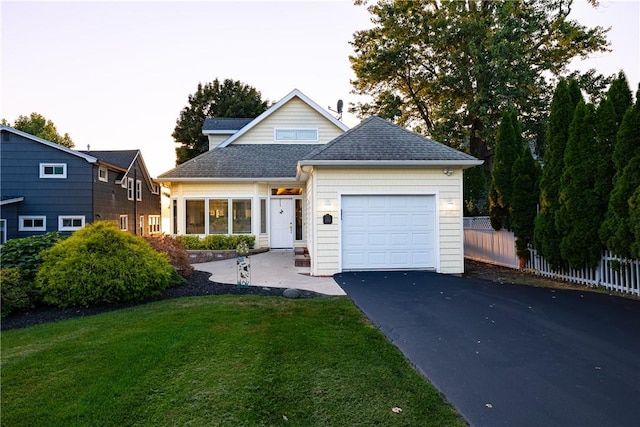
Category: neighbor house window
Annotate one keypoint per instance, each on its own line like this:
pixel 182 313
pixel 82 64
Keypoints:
pixel 218 216
pixel 70 223
pixel 130 188
pixel 241 216
pixel 53 170
pixel 124 222
pixel 32 223
pixel 3 231
pixel 103 174
pixel 195 216
pixel 296 134
pixel 263 216
pixel 154 224
pixel 138 190
pixel 141 225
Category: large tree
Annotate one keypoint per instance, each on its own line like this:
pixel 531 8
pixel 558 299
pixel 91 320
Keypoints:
pixel 546 236
pixel 37 125
pixel 227 99
pixel 524 200
pixel 448 68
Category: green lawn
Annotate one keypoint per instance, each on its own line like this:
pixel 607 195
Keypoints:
pixel 206 361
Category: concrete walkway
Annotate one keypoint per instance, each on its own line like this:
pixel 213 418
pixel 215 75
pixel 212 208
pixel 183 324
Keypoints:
pixel 274 269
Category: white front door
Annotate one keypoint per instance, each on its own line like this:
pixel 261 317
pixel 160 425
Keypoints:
pixel 281 223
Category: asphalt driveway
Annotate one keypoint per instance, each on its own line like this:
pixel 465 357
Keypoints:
pixel 511 355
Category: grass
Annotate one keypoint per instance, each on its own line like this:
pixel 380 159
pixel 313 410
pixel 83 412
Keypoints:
pixel 207 361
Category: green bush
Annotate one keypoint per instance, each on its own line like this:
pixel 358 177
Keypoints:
pixel 15 293
pixel 25 253
pixel 217 241
pixel 101 264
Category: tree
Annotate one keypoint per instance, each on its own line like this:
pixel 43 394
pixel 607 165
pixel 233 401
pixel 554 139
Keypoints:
pixel 546 236
pixel 37 125
pixel 578 219
pixel 524 200
pixel 509 146
pixel 449 68
pixel 227 99
pixel 617 231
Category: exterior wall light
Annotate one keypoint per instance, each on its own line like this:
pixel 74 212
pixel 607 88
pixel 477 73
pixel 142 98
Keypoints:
pixel 447 171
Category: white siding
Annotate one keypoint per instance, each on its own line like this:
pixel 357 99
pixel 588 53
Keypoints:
pixel 331 183
pixel 293 114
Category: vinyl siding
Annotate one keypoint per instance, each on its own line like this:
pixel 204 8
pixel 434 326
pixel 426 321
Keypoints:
pixel 295 114
pixel 331 183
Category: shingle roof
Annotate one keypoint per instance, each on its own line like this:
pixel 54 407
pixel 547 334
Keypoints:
pixel 244 161
pixel 376 139
pixel 224 124
pixel 119 158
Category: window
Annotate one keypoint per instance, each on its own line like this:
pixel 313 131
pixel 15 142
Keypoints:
pixel 195 216
pixel 70 223
pixel 219 216
pixel 130 188
pixel 103 174
pixel 32 223
pixel 263 216
pixel 298 219
pixel 286 191
pixel 175 216
pixel 3 231
pixel 53 170
pixel 141 225
pixel 296 134
pixel 138 190
pixel 155 189
pixel 241 216
pixel 154 224
pixel 124 222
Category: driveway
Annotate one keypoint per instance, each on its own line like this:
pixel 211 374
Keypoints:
pixel 511 355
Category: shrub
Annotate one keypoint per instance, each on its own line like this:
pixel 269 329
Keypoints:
pixel 15 292
pixel 24 253
pixel 174 248
pixel 102 264
pixel 217 241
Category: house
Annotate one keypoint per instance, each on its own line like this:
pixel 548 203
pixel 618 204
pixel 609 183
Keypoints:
pixel 374 197
pixel 49 187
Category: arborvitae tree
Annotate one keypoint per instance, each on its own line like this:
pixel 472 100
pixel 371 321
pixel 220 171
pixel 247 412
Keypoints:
pixel 546 237
pixel 475 192
pixel 578 220
pixel 634 219
pixel 508 148
pixel 524 200
pixel 616 231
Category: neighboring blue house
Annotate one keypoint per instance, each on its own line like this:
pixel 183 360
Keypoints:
pixel 47 187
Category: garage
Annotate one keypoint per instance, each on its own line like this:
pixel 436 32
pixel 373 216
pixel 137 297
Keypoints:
pixel 388 232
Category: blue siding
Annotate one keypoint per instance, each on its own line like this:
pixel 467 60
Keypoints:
pixel 20 177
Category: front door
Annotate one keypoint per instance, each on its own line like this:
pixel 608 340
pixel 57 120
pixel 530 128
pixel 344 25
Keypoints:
pixel 281 223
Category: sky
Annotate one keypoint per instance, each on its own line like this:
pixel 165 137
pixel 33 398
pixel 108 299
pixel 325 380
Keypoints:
pixel 115 75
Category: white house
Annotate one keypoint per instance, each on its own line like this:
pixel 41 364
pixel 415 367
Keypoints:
pixel 374 197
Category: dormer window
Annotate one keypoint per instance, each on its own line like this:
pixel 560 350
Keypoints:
pixel 296 135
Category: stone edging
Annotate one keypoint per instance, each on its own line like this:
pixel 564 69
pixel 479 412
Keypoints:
pixel 196 257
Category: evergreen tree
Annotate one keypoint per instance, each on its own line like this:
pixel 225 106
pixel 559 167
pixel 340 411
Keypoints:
pixel 634 221
pixel 617 231
pixel 475 192
pixel 508 147
pixel 524 200
pixel 546 236
pixel 578 219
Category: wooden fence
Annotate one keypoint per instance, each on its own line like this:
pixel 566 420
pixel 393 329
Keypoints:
pixel 483 243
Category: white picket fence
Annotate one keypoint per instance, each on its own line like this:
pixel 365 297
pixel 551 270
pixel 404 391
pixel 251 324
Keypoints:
pixel 483 243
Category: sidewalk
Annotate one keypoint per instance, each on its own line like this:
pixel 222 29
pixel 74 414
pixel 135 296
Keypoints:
pixel 273 269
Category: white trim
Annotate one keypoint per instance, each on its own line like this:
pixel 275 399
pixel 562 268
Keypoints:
pixel 86 157
pixel 275 134
pixel 62 227
pixel 431 163
pixel 139 190
pixel 12 200
pixel 44 175
pixel 131 190
pixel 276 107
pixel 126 222
pixel 106 174
pixel 155 224
pixel 261 179
pixel 22 218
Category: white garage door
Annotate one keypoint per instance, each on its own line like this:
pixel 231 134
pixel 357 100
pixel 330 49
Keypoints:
pixel 388 232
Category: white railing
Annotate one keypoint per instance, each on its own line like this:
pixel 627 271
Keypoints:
pixel 483 243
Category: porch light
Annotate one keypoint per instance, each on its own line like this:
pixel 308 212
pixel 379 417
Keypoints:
pixel 447 171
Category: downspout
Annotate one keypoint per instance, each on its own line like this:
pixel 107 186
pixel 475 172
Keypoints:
pixel 135 200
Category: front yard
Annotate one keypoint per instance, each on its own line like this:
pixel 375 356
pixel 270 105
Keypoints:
pixel 219 360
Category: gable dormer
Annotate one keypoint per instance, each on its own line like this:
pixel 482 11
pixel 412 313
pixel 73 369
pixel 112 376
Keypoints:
pixel 218 129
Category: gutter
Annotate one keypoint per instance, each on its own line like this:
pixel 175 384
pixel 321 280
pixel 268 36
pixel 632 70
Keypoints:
pixel 367 163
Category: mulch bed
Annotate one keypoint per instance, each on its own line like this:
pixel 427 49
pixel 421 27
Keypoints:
pixel 198 285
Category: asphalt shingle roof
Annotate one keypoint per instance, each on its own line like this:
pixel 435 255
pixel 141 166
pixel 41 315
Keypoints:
pixel 379 140
pixel 244 161
pixel 119 158
pixel 224 123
